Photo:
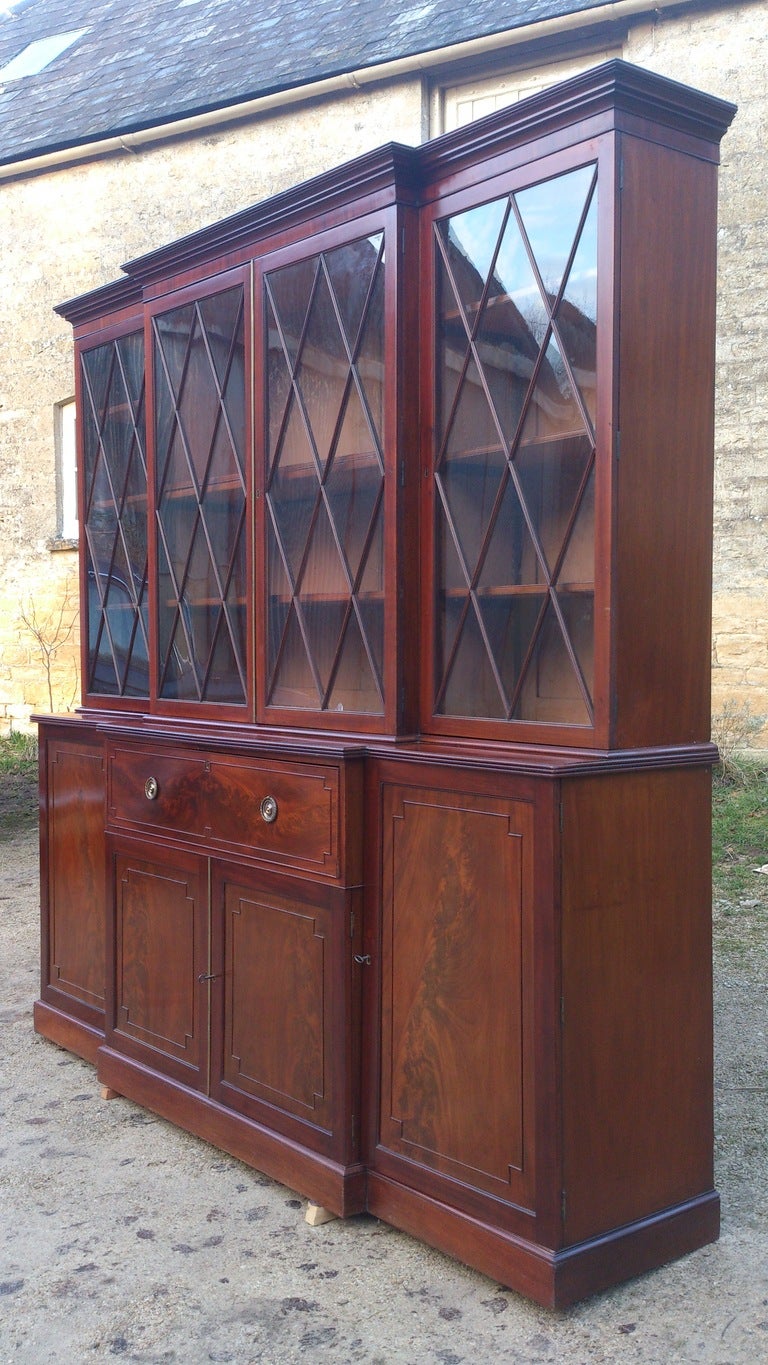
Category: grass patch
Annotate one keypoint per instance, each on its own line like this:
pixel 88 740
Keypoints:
pixel 18 752
pixel 739 849
pixel 18 781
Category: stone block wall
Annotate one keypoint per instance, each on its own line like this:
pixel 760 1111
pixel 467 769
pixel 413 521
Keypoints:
pixel 724 50
pixel 67 231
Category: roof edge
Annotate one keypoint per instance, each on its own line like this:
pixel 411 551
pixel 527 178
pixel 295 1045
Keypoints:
pixel 131 138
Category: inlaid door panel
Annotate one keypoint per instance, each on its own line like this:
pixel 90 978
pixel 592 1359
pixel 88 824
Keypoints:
pixel 75 883
pixel 276 1014
pixel 161 932
pixel 455 924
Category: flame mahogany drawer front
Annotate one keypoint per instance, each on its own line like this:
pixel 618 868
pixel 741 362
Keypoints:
pixel 276 811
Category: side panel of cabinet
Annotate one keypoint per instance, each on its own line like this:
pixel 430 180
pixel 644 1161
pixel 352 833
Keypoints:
pixel 456 1087
pixel 72 882
pixel 281 1025
pixel 637 995
pixel 663 550
pixel 160 929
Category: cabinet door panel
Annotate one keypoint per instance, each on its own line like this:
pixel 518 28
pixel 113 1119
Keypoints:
pixel 161 940
pixel 75 848
pixel 278 1001
pixel 456 874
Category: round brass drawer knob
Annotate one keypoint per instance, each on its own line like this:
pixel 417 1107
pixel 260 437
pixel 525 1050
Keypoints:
pixel 151 788
pixel 268 810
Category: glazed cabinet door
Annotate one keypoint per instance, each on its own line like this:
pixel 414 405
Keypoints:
pixel 333 403
pixel 281 1005
pixel 518 406
pixel 72 893
pixel 160 929
pixel 455 1071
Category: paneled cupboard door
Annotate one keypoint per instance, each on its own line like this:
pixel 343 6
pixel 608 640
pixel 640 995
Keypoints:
pixel 280 1000
pixel 160 928
pixel 456 1030
pixel 236 983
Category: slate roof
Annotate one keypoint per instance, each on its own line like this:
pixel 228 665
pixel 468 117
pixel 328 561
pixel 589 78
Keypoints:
pixel 145 63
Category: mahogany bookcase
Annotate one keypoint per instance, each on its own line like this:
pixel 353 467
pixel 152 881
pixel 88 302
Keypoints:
pixel 378 851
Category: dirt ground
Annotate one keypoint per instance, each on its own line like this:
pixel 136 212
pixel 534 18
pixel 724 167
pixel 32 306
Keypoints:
pixel 122 1236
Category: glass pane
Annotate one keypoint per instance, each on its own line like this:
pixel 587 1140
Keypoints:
pixel 130 353
pixel 200 377
pixel 323 624
pixel 97 369
pixel 116 517
pixel 278 383
pixel 576 317
pixel 578 567
pixel 279 589
pixel 370 595
pixel 471 488
pixel 550 690
pixel 325 545
pixel 353 486
pixel 350 270
pixel 102 676
pixel 354 687
pixel 551 476
pixel 324 575
pixel 291 290
pixel 452 349
pixel 294 682
pixel 514 466
pixel 515 284
pixel 294 508
pixel 221 317
pixel 471 688
pixel 553 408
pixel 511 559
pixel 370 355
pixel 137 673
pixel 471 240
pixel 322 371
pixel 511 622
pixel 452 595
pixel 551 213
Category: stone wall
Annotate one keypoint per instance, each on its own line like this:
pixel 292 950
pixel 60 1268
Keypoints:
pixel 68 231
pixel 724 50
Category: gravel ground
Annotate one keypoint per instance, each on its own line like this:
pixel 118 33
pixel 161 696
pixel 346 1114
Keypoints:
pixel 122 1236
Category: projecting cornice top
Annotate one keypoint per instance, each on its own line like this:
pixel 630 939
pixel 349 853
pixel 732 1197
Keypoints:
pixel 616 89
pixel 616 95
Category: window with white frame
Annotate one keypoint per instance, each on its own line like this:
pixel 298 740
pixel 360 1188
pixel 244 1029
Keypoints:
pixel 455 105
pixel 67 528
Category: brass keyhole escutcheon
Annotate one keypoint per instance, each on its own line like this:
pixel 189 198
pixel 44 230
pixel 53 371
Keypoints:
pixel 151 788
pixel 268 810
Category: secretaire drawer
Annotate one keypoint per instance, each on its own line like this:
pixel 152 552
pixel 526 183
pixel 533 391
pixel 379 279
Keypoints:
pixel 276 810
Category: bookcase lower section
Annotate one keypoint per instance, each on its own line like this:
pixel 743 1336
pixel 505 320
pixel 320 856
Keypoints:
pixel 471 998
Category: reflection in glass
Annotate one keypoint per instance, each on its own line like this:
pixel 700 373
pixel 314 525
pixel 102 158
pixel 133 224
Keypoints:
pixel 324 423
pixel 115 483
pixel 200 499
pixel 516 300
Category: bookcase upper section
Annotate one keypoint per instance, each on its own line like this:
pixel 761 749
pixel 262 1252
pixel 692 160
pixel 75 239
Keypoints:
pixel 423 445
